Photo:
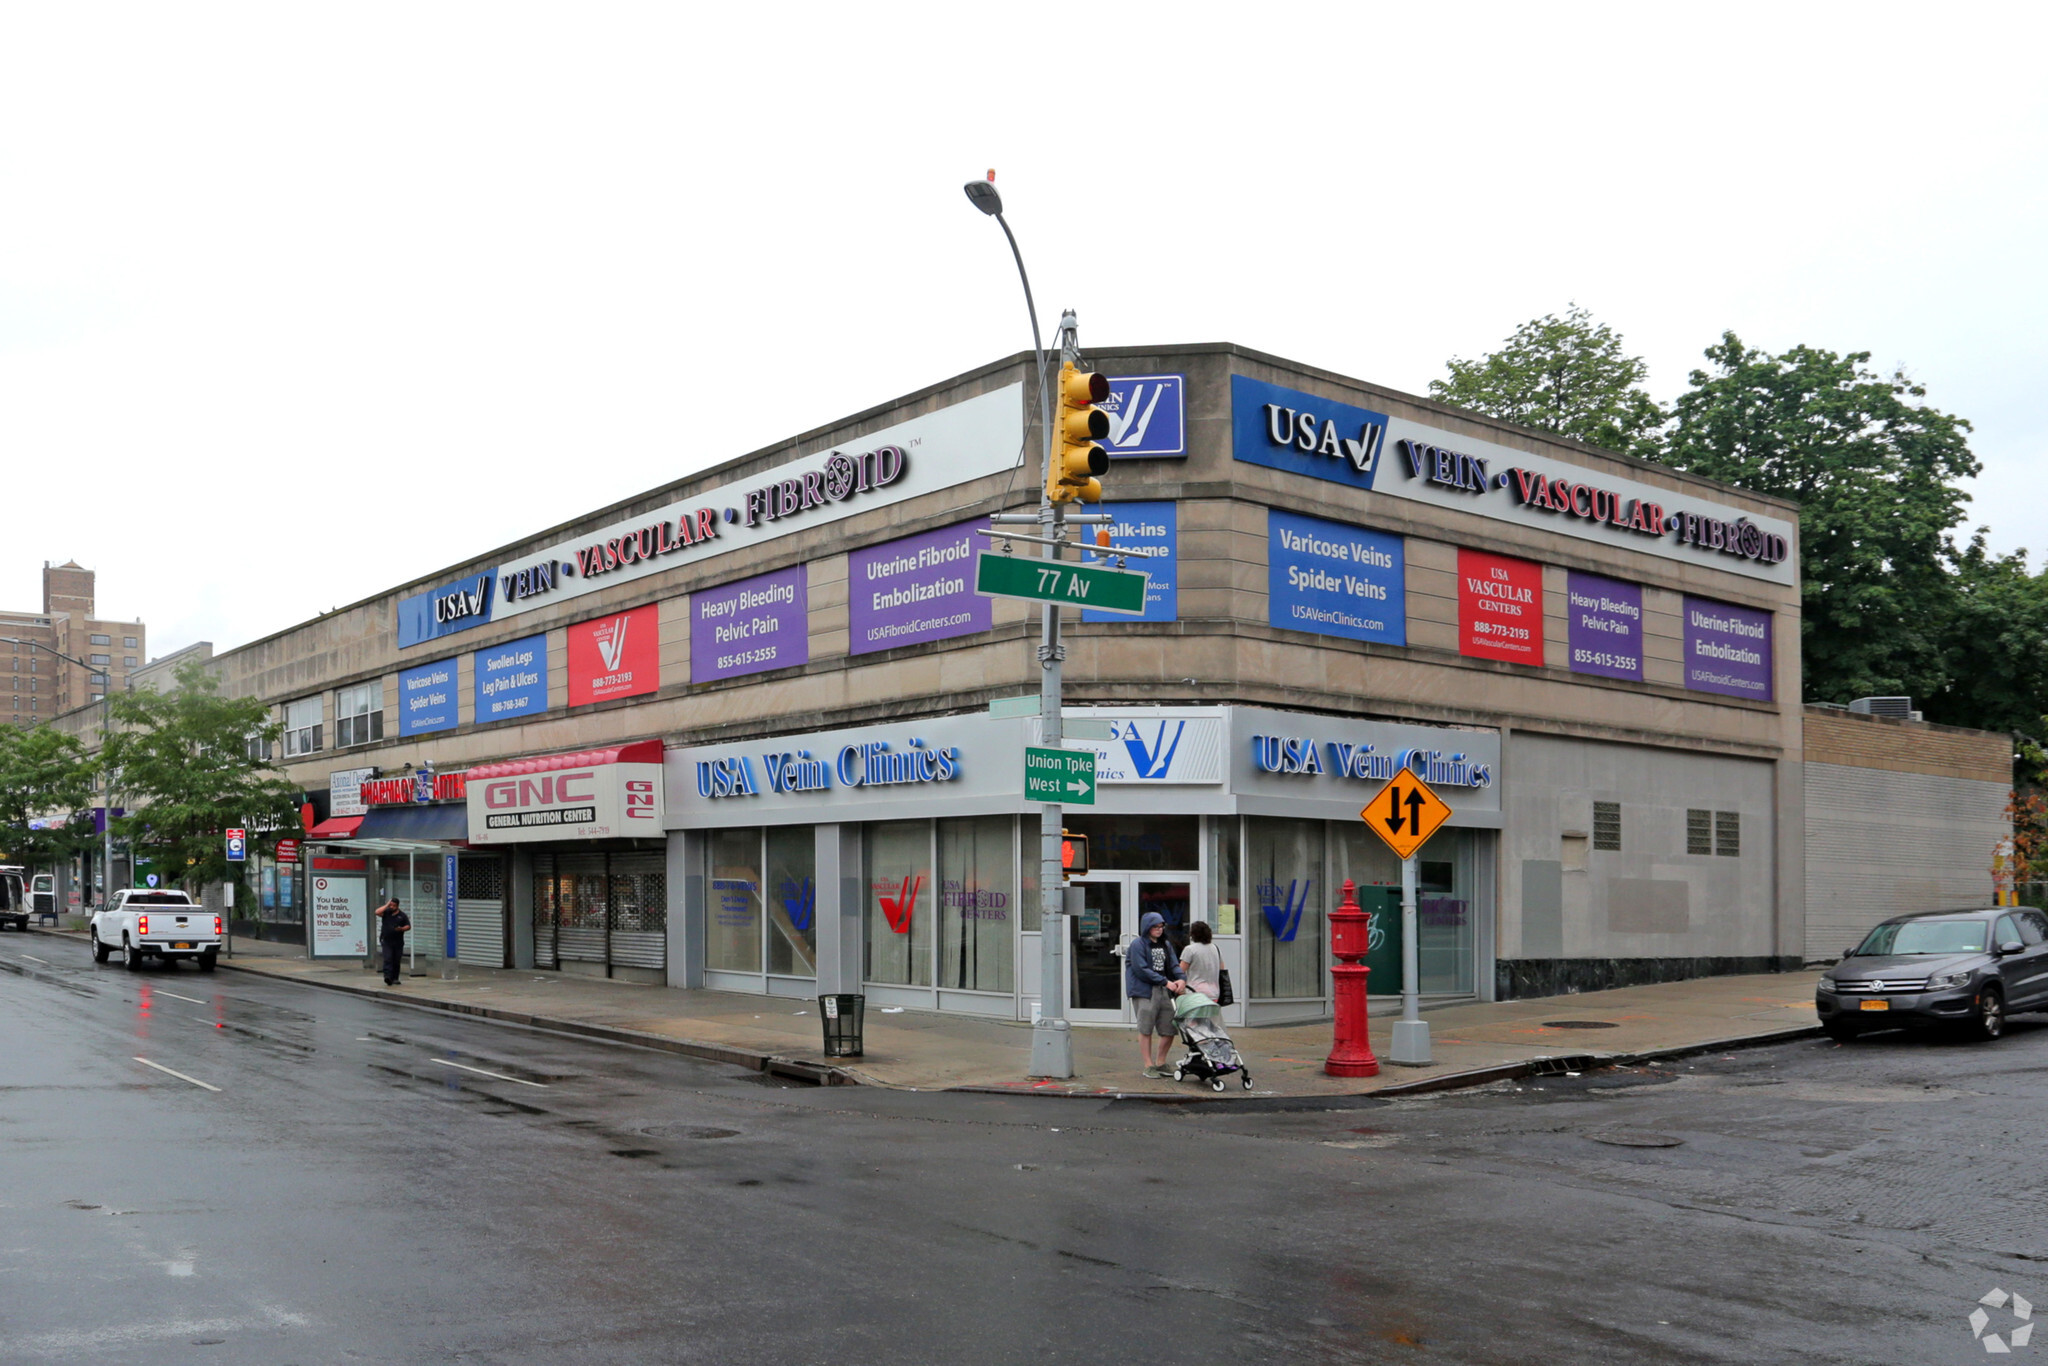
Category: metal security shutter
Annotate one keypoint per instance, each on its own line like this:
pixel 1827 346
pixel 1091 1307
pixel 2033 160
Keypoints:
pixel 580 904
pixel 480 910
pixel 639 910
pixel 545 911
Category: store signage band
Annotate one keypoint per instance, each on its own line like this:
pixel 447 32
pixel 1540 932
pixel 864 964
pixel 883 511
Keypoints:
pixel 416 788
pixel 1364 762
pixel 593 794
pixel 872 764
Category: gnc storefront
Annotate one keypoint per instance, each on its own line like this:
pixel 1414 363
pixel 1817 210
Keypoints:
pixel 586 828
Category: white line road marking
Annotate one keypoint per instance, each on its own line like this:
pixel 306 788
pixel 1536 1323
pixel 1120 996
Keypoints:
pixel 480 1072
pixel 33 959
pixel 179 1075
pixel 176 997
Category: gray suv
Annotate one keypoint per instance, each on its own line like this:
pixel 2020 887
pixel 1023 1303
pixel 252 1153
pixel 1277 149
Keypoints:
pixel 1966 969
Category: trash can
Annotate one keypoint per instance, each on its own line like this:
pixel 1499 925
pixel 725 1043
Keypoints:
pixel 842 1016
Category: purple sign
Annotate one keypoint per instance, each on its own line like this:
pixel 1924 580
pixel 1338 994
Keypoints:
pixel 1605 617
pixel 919 588
pixel 751 626
pixel 1727 649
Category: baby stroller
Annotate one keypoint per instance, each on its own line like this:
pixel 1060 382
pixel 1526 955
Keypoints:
pixel 1211 1055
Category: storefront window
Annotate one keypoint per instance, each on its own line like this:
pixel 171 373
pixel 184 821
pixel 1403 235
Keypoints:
pixel 1284 889
pixel 732 930
pixel 1141 844
pixel 1445 933
pixel 977 896
pixel 1225 911
pixel 899 903
pixel 792 900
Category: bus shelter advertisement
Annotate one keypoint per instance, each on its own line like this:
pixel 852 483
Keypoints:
pixel 1604 626
pixel 339 917
pixel 917 589
pixel 750 627
pixel 1335 580
pixel 1727 649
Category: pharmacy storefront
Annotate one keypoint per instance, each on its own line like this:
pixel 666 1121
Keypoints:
pixel 901 861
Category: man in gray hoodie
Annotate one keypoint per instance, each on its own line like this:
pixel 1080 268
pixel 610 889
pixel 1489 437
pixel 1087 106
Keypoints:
pixel 1152 978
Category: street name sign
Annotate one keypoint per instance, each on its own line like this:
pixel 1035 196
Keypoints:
pixel 1072 585
pixel 1405 813
pixel 1059 775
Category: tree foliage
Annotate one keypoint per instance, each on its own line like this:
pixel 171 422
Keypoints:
pixel 44 777
pixel 182 761
pixel 1875 473
pixel 1567 375
pixel 1994 646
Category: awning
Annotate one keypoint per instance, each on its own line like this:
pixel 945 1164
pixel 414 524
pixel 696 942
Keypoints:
pixel 639 752
pixel 335 828
pixel 444 823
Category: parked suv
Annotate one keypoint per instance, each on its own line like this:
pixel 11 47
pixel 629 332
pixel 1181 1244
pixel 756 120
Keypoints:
pixel 1965 969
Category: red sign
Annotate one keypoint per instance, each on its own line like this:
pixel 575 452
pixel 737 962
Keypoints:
pixel 406 790
pixel 1500 608
pixel 287 851
pixel 615 656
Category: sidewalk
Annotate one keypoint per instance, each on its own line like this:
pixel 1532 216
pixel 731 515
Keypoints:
pixel 929 1051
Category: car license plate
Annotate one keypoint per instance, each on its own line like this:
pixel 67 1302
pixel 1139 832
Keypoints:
pixel 186 944
pixel 1875 1005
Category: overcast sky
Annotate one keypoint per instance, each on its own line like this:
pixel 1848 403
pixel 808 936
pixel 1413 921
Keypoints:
pixel 299 302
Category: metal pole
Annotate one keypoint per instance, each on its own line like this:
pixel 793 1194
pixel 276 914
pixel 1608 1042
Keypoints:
pixel 1411 1032
pixel 107 824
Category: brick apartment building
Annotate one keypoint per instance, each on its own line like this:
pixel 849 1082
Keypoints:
pixel 40 684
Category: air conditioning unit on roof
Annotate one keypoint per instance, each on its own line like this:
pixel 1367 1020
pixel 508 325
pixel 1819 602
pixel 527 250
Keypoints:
pixel 1897 708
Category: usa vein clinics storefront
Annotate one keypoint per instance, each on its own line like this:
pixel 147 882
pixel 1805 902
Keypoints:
pixel 900 860
pixel 587 828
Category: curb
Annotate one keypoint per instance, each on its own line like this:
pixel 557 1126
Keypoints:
pixel 795 1069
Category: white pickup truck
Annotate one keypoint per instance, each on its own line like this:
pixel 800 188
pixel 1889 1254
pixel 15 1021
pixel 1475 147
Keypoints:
pixel 146 923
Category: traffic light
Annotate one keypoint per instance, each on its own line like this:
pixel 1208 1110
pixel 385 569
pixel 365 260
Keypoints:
pixel 1073 854
pixel 1076 460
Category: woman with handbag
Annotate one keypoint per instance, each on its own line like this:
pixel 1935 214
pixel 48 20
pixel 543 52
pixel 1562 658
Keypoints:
pixel 1202 962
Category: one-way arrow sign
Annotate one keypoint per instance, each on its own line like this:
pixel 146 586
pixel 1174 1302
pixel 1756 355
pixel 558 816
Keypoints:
pixel 1059 775
pixel 1405 813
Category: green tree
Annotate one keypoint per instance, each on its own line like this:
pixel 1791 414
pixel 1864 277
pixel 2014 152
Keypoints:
pixel 1995 644
pixel 182 760
pixel 44 775
pixel 1875 473
pixel 1566 375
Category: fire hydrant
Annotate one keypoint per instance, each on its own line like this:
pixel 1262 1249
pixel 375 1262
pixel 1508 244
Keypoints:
pixel 1351 1055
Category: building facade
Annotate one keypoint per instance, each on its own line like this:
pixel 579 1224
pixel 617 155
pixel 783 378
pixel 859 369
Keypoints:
pixel 737 731
pixel 39 683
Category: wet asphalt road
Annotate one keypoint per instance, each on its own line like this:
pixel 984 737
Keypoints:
pixel 360 1189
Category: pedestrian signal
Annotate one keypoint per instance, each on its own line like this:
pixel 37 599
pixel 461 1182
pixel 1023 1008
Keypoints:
pixel 1073 854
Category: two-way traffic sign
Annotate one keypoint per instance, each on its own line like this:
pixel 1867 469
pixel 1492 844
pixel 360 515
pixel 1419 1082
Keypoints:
pixel 1059 775
pixel 1405 813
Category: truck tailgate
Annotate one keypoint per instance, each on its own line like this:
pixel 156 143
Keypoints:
pixel 167 926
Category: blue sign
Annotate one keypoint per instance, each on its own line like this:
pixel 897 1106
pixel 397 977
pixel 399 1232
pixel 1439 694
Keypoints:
pixel 800 903
pixel 426 698
pixel 512 680
pixel 1334 579
pixel 448 883
pixel 445 610
pixel 1146 526
pixel 151 879
pixel 1283 909
pixel 1286 429
pixel 1147 416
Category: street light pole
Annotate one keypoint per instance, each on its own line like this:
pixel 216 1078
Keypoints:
pixel 106 728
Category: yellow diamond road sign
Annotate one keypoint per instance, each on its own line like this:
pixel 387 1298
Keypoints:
pixel 1405 813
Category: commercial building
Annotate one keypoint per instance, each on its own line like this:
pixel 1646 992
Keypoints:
pixel 736 732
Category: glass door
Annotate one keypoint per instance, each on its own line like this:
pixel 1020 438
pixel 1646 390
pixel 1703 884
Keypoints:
pixel 1113 906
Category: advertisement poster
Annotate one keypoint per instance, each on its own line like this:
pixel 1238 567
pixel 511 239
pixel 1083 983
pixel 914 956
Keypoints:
pixel 1500 608
pixel 1727 649
pixel 1604 626
pixel 1147 416
pixel 338 921
pixel 917 589
pixel 512 680
pixel 1334 579
pixel 1285 429
pixel 426 698
pixel 751 626
pixel 267 888
pixel 615 656
pixel 1148 526
pixel 345 791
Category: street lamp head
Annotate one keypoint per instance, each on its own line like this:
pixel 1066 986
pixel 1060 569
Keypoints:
pixel 982 194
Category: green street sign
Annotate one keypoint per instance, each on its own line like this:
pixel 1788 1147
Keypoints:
pixel 1070 585
pixel 1059 775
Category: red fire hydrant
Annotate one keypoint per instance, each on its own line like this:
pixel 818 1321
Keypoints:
pixel 1349 940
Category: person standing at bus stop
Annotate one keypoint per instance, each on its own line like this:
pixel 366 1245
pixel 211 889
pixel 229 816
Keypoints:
pixel 392 923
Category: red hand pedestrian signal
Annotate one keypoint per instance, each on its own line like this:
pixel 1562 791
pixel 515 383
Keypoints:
pixel 1405 813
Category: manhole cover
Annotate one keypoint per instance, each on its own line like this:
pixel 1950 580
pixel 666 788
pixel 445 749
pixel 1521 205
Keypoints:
pixel 1634 1138
pixel 1580 1024
pixel 687 1131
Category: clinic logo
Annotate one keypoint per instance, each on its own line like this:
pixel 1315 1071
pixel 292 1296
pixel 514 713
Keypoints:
pixel 1283 913
pixel 1154 761
pixel 1147 415
pixel 2022 1311
pixel 800 903
pixel 897 908
pixel 611 642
